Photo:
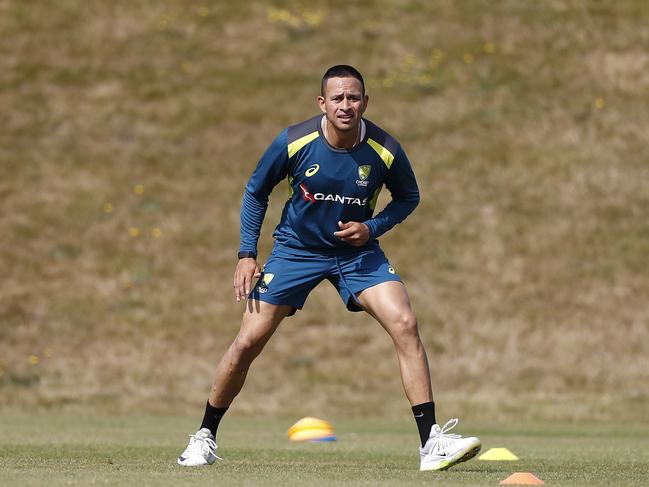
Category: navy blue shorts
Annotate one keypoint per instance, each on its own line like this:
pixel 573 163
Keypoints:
pixel 290 275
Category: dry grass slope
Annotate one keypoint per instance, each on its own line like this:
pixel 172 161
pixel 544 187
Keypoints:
pixel 129 129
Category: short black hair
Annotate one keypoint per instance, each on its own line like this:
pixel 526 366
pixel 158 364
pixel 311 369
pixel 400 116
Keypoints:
pixel 341 71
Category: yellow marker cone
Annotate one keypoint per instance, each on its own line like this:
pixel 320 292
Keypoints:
pixel 311 429
pixel 498 455
pixel 522 478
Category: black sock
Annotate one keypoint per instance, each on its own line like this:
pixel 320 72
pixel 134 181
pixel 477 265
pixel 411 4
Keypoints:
pixel 425 417
pixel 212 417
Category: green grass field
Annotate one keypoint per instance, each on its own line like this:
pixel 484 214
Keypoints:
pixel 131 450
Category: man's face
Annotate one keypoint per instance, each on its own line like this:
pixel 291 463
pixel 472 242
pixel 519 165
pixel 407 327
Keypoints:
pixel 343 103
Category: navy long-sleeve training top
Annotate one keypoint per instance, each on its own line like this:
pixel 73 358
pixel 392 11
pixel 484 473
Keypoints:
pixel 327 185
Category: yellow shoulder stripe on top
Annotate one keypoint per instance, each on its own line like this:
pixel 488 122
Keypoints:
pixel 375 197
pixel 296 145
pixel 383 153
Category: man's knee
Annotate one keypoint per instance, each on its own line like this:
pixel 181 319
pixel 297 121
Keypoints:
pixel 405 327
pixel 247 345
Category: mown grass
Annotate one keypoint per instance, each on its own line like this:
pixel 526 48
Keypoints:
pixel 141 450
pixel 129 129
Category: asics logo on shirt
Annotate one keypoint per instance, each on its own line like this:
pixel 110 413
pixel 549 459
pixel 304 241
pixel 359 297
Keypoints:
pixel 312 170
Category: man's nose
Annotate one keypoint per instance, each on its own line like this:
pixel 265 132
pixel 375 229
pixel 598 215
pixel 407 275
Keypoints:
pixel 345 104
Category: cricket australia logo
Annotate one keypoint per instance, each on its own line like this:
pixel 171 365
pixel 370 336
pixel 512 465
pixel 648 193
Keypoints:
pixel 363 174
pixel 262 285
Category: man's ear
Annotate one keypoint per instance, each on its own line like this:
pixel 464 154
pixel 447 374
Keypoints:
pixel 366 101
pixel 321 104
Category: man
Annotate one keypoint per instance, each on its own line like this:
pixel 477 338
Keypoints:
pixel 336 165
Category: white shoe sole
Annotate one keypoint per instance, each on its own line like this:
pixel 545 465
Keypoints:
pixel 463 455
pixel 184 463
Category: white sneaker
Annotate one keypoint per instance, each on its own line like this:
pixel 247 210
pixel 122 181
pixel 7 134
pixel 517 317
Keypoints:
pixel 200 451
pixel 443 450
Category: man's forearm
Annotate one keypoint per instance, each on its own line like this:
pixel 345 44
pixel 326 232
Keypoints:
pixel 253 211
pixel 395 212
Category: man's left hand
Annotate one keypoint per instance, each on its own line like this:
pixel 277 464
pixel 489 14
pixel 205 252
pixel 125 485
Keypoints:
pixel 354 233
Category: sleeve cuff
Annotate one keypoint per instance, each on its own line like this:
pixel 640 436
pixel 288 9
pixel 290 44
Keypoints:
pixel 370 226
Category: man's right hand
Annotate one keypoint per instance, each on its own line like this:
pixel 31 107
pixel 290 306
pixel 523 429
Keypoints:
pixel 247 268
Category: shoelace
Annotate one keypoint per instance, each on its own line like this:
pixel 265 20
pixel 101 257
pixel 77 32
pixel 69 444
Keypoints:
pixel 443 438
pixel 450 424
pixel 205 445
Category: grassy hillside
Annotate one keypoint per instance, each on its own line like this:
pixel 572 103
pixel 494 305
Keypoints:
pixel 130 128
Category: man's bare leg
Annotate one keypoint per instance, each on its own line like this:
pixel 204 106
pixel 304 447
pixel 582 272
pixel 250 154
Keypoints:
pixel 260 320
pixel 389 304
